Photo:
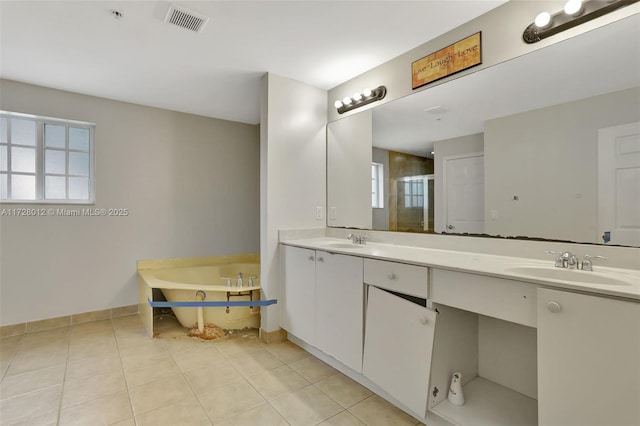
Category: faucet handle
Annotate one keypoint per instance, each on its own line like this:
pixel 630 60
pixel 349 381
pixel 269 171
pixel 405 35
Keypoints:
pixel 559 254
pixel 587 263
pixel 570 260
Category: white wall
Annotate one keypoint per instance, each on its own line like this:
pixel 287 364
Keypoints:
pixel 191 185
pixel 548 158
pixel 455 146
pixel 349 171
pixel 292 172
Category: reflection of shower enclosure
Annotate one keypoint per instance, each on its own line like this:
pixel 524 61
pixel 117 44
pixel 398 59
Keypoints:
pixel 414 203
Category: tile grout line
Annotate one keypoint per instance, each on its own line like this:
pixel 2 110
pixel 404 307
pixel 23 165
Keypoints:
pixel 266 401
pixel 193 392
pixel 229 358
pixel 126 383
pixel 64 378
pixel 13 357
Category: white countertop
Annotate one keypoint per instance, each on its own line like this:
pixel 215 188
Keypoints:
pixel 492 265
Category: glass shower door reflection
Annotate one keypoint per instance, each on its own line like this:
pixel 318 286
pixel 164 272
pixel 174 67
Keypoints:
pixel 414 204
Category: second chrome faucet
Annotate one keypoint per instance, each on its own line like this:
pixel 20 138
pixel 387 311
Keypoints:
pixel 568 260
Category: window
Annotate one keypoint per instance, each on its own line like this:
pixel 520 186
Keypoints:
pixel 45 160
pixel 414 193
pixel 377 186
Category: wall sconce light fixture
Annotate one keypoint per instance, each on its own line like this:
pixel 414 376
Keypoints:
pixel 360 99
pixel 575 13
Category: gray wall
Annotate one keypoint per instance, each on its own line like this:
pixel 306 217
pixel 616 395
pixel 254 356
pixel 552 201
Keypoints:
pixel 548 157
pixel 191 185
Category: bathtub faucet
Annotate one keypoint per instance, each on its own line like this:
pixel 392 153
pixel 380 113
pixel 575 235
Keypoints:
pixel 239 282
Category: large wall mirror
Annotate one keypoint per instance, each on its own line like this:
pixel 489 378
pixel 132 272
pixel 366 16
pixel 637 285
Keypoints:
pixel 546 145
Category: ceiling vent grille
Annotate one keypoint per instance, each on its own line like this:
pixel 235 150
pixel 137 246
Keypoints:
pixel 186 19
pixel 436 110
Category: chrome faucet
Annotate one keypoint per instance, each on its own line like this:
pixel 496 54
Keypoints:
pixel 565 259
pixel 568 260
pixel 358 239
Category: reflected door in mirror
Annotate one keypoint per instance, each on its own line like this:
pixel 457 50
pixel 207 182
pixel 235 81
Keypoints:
pixel 464 194
pixel 619 184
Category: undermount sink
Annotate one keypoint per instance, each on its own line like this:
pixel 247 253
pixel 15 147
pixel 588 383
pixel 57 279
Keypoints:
pixel 344 245
pixel 587 277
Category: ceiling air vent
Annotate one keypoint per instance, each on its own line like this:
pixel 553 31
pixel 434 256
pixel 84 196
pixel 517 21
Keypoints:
pixel 186 18
pixel 436 110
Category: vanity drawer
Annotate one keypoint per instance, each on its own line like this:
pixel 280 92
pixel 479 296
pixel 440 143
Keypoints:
pixel 513 301
pixel 407 279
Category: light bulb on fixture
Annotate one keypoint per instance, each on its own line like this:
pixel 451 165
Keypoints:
pixel 542 20
pixel 360 99
pixel 576 12
pixel 573 7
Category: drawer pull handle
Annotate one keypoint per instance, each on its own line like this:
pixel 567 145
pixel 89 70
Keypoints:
pixel 392 276
pixel 320 259
pixel 424 321
pixel 554 307
pixel 311 258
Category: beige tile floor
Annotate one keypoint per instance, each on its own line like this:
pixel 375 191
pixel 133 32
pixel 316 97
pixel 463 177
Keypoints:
pixel 109 373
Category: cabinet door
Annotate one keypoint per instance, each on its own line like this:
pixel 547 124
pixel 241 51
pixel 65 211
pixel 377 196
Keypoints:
pixel 398 346
pixel 588 360
pixel 297 312
pixel 339 312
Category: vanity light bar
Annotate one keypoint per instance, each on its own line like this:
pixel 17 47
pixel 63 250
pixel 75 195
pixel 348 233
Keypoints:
pixel 575 12
pixel 360 99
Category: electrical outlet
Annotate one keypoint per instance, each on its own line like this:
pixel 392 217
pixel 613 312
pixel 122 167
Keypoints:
pixel 319 213
pixel 494 214
pixel 334 213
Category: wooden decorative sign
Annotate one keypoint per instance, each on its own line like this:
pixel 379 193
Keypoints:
pixel 454 58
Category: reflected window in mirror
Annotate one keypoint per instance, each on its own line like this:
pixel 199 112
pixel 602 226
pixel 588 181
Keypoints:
pixel 377 185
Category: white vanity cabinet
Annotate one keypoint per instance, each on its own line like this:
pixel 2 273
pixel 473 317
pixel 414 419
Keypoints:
pixel 322 302
pixel 298 307
pixel 529 355
pixel 398 334
pixel 339 307
pixel 588 360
